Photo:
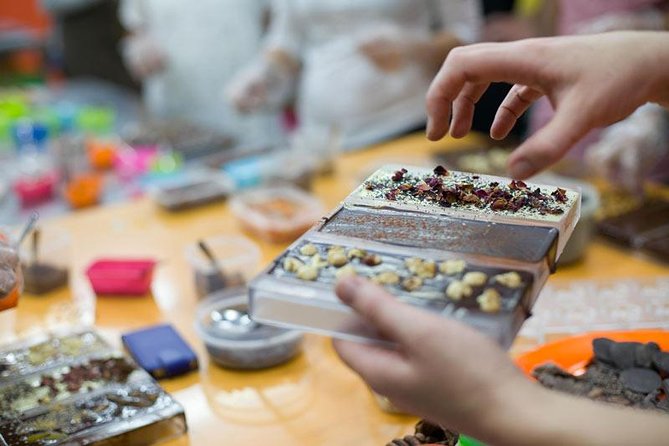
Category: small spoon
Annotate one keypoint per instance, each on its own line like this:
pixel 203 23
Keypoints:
pixel 232 320
pixel 27 228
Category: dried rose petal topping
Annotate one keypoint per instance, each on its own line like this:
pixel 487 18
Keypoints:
pixel 441 171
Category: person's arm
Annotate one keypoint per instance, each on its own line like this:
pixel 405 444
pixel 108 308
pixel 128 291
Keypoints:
pixel 584 78
pixel 453 375
pixel 270 80
pixel 459 23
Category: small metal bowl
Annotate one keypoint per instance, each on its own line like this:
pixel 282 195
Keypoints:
pixel 234 340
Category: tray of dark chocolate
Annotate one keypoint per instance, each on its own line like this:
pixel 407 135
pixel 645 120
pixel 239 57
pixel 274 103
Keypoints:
pixel 466 246
pixel 195 189
pixel 645 227
pixel 45 351
pixel 631 374
pixel 74 389
pixel 190 140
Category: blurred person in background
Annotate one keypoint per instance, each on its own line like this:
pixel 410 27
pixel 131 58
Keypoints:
pixel 606 151
pixel 361 67
pixel 87 36
pixel 184 52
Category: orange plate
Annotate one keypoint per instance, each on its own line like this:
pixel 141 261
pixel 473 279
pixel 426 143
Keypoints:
pixel 574 353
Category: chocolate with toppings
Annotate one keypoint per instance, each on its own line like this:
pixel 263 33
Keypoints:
pixel 465 191
pixel 450 282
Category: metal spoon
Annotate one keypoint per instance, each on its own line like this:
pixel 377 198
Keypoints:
pixel 232 320
pixel 26 229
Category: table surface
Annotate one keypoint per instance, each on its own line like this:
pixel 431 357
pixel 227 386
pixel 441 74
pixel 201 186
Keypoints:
pixel 312 400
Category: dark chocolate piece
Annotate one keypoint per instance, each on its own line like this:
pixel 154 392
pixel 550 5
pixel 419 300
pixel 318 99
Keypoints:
pixel 41 278
pixel 640 380
pixel 631 226
pixel 623 354
pixel 601 348
pixel 661 362
pixel 657 247
pixel 523 243
pixel 644 355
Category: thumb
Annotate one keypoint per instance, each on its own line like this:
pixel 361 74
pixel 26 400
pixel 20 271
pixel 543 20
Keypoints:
pixel 550 143
pixel 380 309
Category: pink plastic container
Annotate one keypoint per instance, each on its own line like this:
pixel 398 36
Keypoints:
pixel 128 277
pixel 33 190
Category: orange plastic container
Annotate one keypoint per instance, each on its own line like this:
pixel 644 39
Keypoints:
pixel 83 190
pixel 101 153
pixel 574 353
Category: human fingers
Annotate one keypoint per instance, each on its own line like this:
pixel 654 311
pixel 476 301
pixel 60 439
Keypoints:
pixel 380 309
pixel 463 108
pixel 516 102
pixel 551 142
pixel 512 62
pixel 381 368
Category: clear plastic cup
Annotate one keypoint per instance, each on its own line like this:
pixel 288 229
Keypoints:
pixel 46 267
pixel 237 261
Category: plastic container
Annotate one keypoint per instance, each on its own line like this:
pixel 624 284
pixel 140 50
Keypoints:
pixel 83 190
pixel 46 266
pixel 237 262
pixel 281 297
pixel 35 189
pixel 129 407
pixel 483 266
pixel 233 340
pixel 585 305
pixel 277 214
pixel 121 277
pixel 101 153
pixel 192 190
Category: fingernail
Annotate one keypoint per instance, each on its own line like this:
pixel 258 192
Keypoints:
pixel 521 169
pixel 428 128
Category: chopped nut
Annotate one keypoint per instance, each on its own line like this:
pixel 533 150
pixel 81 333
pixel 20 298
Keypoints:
pixel 457 289
pixel 490 301
pixel 475 278
pixel 307 272
pixel 356 253
pixel 412 283
pixel 337 258
pixel 510 280
pixel 427 270
pixel 372 260
pixel 452 266
pixel 308 250
pixel 386 278
pixel 291 264
pixel 318 262
pixel 345 271
pixel 413 263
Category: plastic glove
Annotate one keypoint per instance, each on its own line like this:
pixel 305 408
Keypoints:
pixel 628 151
pixel 9 261
pixel 143 56
pixel 649 20
pixel 263 85
pixel 386 53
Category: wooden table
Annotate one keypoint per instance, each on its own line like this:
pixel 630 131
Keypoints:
pixel 314 399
